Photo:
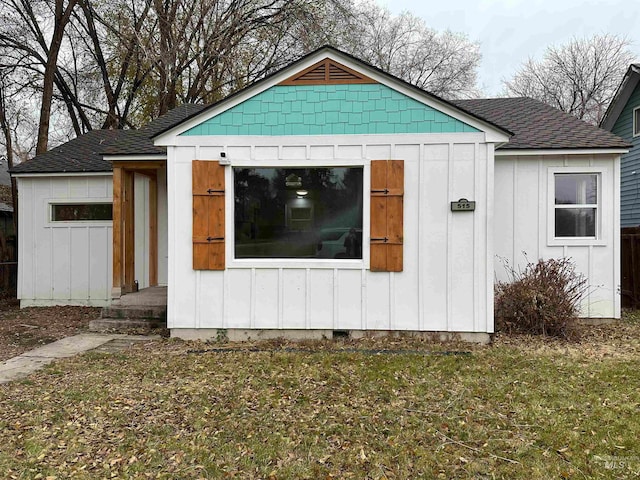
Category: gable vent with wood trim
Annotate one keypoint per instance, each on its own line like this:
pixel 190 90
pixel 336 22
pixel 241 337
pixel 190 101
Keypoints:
pixel 208 189
pixel 327 72
pixel 387 211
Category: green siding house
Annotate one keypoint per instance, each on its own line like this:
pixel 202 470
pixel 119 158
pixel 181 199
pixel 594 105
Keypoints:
pixel 623 119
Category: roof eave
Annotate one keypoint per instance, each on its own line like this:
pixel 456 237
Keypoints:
pixel 65 173
pixel 616 150
pixel 114 157
pixel 621 97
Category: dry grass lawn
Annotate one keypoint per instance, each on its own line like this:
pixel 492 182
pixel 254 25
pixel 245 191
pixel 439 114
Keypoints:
pixel 521 408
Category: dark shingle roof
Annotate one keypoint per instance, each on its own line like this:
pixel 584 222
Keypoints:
pixel 82 154
pixel 6 202
pixel 537 125
pixel 85 153
pixel 5 179
pixel 139 142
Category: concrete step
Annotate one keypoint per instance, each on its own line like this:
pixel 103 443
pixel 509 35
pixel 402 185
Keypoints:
pixel 135 312
pixel 152 296
pixel 115 324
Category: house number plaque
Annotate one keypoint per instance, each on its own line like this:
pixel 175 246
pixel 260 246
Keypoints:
pixel 463 205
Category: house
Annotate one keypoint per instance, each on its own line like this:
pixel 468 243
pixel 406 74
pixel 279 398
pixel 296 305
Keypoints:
pixel 623 119
pixel 7 233
pixel 6 211
pixel 236 206
pixel 6 203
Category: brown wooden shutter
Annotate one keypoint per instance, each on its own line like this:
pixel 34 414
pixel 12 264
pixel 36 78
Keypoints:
pixel 387 191
pixel 208 215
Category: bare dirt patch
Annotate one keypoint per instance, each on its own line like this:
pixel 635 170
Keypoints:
pixel 620 339
pixel 28 328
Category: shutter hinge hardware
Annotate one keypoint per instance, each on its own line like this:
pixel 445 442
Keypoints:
pixel 211 239
pixel 385 191
pixel 210 191
pixel 384 239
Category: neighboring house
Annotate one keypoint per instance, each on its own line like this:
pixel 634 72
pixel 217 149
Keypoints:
pixel 623 119
pixel 5 178
pixel 231 206
pixel 7 232
pixel 5 187
pixel 6 212
pixel 6 206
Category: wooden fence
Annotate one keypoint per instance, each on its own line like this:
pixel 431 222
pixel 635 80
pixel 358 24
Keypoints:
pixel 8 264
pixel 630 266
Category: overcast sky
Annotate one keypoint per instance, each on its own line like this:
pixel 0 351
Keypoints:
pixel 510 31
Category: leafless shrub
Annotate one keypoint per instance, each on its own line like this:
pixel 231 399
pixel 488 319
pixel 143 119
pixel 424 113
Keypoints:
pixel 541 299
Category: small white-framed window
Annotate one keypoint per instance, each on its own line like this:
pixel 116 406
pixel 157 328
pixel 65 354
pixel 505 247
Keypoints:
pixel 81 212
pixel 578 206
pixel 636 121
pixel 576 200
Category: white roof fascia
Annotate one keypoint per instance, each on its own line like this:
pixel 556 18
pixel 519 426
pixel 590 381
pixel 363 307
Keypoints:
pixel 567 151
pixel 63 174
pixel 116 158
pixel 493 134
pixel 621 97
pixel 223 142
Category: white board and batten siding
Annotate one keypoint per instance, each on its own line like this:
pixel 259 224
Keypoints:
pixel 524 198
pixel 63 263
pixel 447 281
pixel 142 219
pixel 141 208
pixel 70 263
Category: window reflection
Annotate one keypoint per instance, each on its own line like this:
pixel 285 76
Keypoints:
pixel 576 189
pixel 298 212
pixel 73 212
pixel 576 203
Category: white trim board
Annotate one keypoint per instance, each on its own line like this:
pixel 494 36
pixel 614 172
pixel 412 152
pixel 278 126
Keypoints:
pixel 63 174
pixel 136 158
pixel 568 151
pixel 223 142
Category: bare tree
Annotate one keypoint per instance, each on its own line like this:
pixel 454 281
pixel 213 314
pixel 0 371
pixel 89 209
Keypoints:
pixel 7 139
pixel 155 54
pixel 205 50
pixel 121 63
pixel 25 28
pixel 116 43
pixel 579 78
pixel 444 63
pixel 61 16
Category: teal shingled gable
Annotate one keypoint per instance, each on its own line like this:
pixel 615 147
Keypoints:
pixel 329 110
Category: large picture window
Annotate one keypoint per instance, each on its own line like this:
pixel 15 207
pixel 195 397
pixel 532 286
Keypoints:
pixel 576 205
pixel 298 212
